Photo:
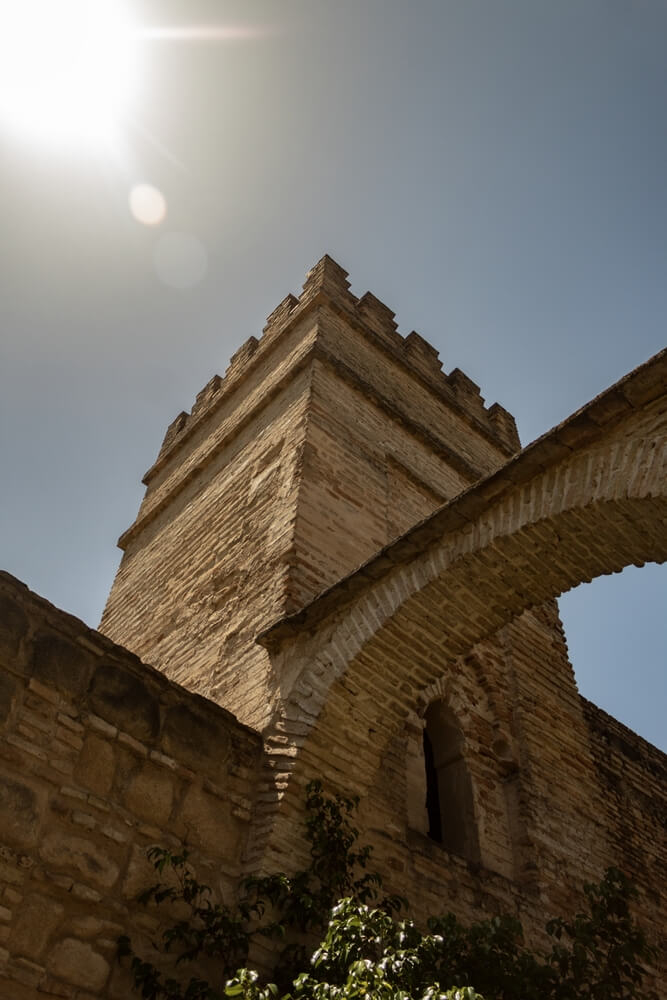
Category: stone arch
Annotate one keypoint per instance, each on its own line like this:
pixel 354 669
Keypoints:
pixel 587 499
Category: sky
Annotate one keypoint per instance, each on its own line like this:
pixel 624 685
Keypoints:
pixel 493 170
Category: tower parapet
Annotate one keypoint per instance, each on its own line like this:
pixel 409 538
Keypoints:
pixel 328 281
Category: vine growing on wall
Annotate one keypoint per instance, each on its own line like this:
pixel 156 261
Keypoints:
pixel 366 951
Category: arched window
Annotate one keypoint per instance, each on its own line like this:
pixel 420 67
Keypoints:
pixel 449 798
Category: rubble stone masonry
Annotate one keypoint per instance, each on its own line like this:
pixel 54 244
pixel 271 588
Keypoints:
pixel 100 757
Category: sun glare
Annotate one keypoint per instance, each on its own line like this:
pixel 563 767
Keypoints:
pixel 67 68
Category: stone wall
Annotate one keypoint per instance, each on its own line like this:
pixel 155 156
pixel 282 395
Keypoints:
pixel 100 757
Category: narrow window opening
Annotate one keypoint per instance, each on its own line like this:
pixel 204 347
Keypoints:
pixel 432 793
pixel 449 797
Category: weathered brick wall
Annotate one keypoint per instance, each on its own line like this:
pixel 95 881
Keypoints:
pixel 560 793
pixel 100 757
pixel 376 460
pixel 632 778
pixel 525 748
pixel 208 557
pixel 632 774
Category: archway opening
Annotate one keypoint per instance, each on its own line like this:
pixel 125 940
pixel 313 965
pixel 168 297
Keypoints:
pixel 616 631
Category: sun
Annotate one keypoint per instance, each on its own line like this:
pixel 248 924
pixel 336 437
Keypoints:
pixel 67 69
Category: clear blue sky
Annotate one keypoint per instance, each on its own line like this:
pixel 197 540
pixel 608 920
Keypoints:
pixel 494 171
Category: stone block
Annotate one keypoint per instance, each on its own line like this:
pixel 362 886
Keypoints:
pixel 88 926
pixel 84 857
pixel 84 892
pixel 21 809
pixel 7 693
pixel 78 963
pixel 207 820
pixel 12 989
pixel 120 698
pixel 50 987
pixel 150 793
pixel 61 664
pixel 195 738
pixel 26 972
pixel 13 626
pixel 37 918
pixel 140 873
pixel 94 768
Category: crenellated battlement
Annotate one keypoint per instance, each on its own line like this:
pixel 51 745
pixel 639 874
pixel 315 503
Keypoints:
pixel 326 283
pixel 276 319
pixel 380 319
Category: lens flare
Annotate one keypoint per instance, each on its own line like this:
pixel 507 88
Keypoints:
pixel 68 68
pixel 147 204
pixel 180 260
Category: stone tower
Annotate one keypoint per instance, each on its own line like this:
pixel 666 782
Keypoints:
pixel 327 438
